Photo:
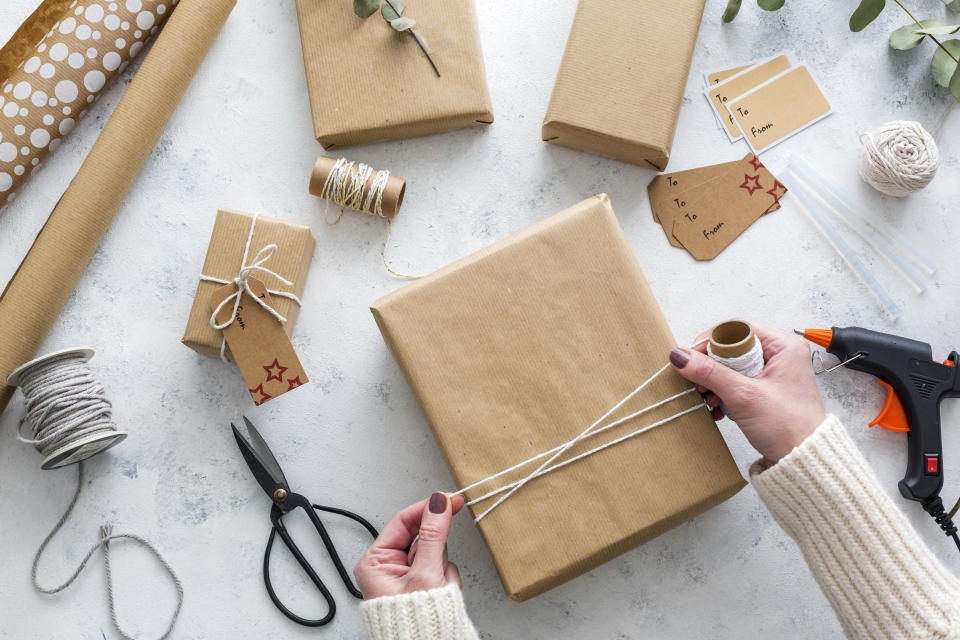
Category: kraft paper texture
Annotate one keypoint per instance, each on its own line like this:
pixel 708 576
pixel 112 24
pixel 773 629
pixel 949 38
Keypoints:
pixel 518 348
pixel 622 78
pixel 55 66
pixel 295 246
pixel 48 274
pixel 720 95
pixel 368 82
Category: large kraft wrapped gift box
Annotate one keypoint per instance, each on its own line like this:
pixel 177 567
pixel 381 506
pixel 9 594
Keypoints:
pixel 368 82
pixel 515 350
pixel 622 78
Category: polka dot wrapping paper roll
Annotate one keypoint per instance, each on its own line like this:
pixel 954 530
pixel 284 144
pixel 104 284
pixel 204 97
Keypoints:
pixel 55 67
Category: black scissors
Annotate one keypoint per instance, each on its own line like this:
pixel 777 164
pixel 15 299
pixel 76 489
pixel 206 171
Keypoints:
pixel 267 471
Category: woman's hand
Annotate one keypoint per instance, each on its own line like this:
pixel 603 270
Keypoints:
pixel 778 409
pixel 411 552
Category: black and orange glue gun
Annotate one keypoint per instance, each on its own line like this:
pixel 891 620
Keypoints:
pixel 915 384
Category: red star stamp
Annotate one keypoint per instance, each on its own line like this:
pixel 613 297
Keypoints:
pixel 294 383
pixel 274 371
pixel 755 163
pixel 777 191
pixel 264 396
pixel 751 183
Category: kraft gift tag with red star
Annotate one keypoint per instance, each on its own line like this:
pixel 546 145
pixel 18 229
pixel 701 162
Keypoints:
pixel 259 344
pixel 704 210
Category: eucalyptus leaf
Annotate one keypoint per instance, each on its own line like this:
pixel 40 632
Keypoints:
pixel 955 83
pixel 387 11
pixel 943 67
pixel 953 5
pixel 940 30
pixel 733 8
pixel 909 36
pixel 866 13
pixel 402 24
pixel 770 5
pixel 365 8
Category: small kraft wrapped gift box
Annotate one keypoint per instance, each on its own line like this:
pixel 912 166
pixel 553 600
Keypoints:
pixel 622 77
pixel 368 82
pixel 225 256
pixel 515 350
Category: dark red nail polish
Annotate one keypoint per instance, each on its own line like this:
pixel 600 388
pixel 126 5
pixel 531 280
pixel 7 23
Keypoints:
pixel 679 358
pixel 438 503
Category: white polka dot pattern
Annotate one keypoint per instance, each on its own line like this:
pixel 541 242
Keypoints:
pixel 92 43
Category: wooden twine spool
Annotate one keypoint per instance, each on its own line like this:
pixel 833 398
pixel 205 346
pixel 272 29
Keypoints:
pixel 393 191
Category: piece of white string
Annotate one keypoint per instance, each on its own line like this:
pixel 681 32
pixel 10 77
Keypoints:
pixel 241 281
pixel 566 446
pixel 607 427
pixel 106 536
pixel 699 405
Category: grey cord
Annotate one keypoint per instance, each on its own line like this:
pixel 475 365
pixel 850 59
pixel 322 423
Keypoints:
pixel 106 536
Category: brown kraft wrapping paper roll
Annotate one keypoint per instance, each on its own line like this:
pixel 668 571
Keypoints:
pixel 48 274
pixel 392 193
pixel 60 61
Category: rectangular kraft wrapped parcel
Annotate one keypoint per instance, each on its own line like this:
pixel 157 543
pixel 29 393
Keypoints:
pixel 622 78
pixel 515 350
pixel 295 246
pixel 368 82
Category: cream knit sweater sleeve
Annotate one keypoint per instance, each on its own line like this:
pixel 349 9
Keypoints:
pixel 880 578
pixel 437 614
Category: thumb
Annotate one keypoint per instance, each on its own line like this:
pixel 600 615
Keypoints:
pixel 434 529
pixel 703 370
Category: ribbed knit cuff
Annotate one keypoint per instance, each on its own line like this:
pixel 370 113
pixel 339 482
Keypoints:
pixel 880 578
pixel 437 614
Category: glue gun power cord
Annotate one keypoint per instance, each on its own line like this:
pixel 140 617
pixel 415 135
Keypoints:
pixel 934 506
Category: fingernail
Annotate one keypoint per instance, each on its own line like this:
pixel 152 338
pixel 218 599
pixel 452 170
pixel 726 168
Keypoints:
pixel 679 358
pixel 438 502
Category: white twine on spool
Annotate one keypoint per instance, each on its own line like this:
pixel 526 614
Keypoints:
pixel 345 187
pixel 749 364
pixel 71 419
pixel 899 158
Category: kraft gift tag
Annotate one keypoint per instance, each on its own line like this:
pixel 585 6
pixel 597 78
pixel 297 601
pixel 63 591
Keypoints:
pixel 259 344
pixel 664 192
pixel 719 95
pixel 779 108
pixel 715 213
pixel 716 77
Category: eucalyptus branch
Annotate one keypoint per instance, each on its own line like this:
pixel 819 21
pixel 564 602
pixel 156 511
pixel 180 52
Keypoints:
pixel 939 44
pixel 417 40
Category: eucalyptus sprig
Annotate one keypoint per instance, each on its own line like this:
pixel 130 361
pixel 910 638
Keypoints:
pixel 945 65
pixel 392 12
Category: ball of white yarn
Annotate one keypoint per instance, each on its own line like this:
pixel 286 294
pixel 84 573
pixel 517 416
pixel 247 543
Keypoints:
pixel 899 158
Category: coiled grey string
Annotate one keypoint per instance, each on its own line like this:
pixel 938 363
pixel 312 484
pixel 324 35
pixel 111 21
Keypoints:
pixel 66 408
pixel 106 536
pixel 63 403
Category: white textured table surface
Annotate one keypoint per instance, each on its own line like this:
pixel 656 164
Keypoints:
pixel 242 138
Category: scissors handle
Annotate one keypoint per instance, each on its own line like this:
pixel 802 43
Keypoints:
pixel 279 528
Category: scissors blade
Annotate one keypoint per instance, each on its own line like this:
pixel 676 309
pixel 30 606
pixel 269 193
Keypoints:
pixel 259 458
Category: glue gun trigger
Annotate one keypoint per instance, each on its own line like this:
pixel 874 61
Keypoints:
pixel 891 416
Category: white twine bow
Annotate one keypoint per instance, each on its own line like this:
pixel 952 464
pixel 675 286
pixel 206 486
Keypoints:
pixel 242 282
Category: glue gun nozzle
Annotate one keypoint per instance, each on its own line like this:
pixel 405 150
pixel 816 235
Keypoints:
pixel 799 332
